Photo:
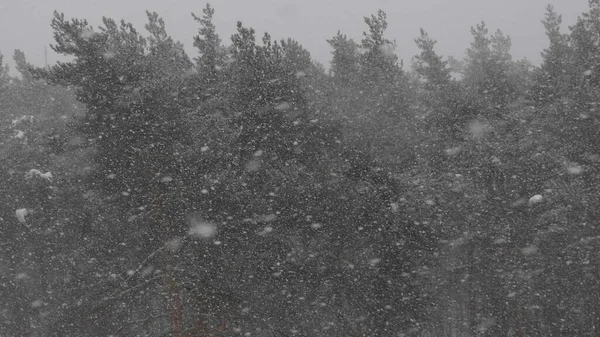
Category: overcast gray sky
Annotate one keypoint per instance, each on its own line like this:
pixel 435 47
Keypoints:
pixel 25 24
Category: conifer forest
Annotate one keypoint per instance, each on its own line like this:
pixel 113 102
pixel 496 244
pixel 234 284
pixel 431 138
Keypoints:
pixel 249 190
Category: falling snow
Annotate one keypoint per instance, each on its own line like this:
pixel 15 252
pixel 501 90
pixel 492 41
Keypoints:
pixel 242 185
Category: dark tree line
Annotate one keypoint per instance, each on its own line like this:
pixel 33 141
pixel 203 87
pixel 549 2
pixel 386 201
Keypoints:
pixel 247 190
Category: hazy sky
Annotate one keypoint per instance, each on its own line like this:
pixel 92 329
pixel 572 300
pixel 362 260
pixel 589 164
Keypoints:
pixel 25 24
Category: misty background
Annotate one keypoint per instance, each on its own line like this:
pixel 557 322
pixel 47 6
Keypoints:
pixel 25 24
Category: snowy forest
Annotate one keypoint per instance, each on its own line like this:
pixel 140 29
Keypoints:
pixel 248 190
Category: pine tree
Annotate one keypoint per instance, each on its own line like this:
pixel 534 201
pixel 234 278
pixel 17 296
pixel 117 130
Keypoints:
pixel 478 61
pixel 586 51
pixel 4 77
pixel 441 94
pixel 134 122
pixel 345 61
pixel 487 67
pixel 430 66
pixel 582 73
pixel 267 91
pixel 553 80
pixel 23 66
pixel 382 80
pixel 503 64
pixel 208 43
pixel 378 61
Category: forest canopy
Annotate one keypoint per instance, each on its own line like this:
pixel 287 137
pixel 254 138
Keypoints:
pixel 246 190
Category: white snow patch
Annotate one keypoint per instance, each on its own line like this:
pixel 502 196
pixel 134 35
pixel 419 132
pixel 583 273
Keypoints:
pixel 258 153
pixel 202 229
pixel 87 33
pixel 529 250
pixel 147 271
pixel 574 169
pixel 21 213
pixel 476 128
pixel 17 121
pixel 173 244
pixel 536 199
pixel 388 50
pixel 453 151
pixel 316 225
pixel 282 106
pixel 166 179
pixel 267 217
pixel 266 230
pixel 374 261
pixel 253 166
pixel 109 55
pixel 594 157
pixel 33 172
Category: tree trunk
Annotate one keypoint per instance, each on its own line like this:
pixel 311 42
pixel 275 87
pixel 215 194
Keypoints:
pixel 174 301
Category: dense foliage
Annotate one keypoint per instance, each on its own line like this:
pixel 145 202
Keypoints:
pixel 246 191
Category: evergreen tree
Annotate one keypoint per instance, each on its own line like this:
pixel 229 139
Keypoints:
pixel 208 43
pixel 585 48
pixel 382 79
pixel 441 96
pixel 378 61
pixel 487 67
pixel 129 86
pixel 345 61
pixel 577 110
pixel 502 60
pixel 402 219
pixel 553 81
pixel 123 79
pixel 4 77
pixel 22 65
pixel 430 66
